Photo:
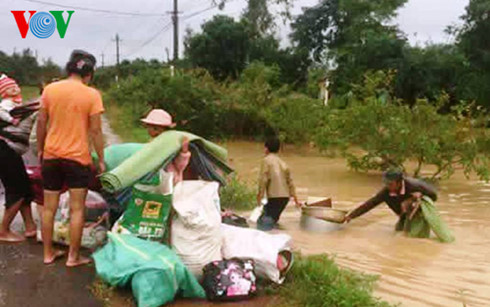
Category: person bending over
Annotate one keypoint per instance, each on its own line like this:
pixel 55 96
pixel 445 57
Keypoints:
pixel 399 192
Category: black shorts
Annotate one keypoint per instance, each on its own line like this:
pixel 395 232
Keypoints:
pixel 60 173
pixel 14 176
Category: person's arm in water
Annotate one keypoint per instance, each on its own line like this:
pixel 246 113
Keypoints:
pixel 263 181
pixel 41 129
pixel 367 206
pixel 95 126
pixel 292 188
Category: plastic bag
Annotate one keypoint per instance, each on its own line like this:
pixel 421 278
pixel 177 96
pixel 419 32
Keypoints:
pixel 94 233
pixel 153 271
pixel 196 232
pixel 256 213
pixel 257 245
pixel 147 213
pixel 229 280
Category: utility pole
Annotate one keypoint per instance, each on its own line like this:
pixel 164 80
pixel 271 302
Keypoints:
pixel 102 56
pixel 117 40
pixel 175 20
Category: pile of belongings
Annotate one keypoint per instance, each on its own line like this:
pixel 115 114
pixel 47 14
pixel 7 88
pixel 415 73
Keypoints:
pixel 153 271
pixel 96 221
pixel 170 237
pixel 132 163
pixel 426 219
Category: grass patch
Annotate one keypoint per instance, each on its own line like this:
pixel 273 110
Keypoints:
pixel 29 92
pixel 123 123
pixel 237 195
pixel 111 296
pixel 319 281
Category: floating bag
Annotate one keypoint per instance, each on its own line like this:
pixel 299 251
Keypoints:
pixel 147 213
pixel 229 280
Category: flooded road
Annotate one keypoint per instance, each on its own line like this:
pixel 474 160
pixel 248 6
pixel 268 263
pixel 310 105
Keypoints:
pixel 413 272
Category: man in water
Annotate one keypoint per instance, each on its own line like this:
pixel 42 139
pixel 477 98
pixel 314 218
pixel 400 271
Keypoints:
pixel 70 115
pixel 398 193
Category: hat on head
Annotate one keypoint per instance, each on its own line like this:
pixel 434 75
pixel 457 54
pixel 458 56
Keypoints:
pixel 159 117
pixel 392 175
pixel 5 84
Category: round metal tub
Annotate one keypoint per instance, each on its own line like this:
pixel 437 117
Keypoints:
pixel 313 224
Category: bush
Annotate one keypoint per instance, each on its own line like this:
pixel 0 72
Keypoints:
pixel 389 133
pixel 252 107
pixel 318 281
pixel 237 195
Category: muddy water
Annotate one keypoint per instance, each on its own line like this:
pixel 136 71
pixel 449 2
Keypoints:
pixel 413 272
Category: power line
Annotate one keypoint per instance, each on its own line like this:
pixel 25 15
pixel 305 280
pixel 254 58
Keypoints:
pixel 151 39
pixel 94 10
pixel 189 16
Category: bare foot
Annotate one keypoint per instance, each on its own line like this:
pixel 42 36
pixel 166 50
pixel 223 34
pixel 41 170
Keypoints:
pixel 11 237
pixel 30 233
pixel 78 262
pixel 57 254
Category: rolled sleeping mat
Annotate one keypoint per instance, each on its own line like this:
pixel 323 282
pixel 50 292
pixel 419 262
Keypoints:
pixel 156 154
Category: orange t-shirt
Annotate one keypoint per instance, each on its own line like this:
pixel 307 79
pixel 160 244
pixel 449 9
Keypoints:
pixel 69 104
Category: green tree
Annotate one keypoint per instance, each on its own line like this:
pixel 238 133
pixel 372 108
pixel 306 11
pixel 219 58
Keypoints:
pixel 472 39
pixel 377 132
pixel 221 48
pixel 353 34
pixel 431 70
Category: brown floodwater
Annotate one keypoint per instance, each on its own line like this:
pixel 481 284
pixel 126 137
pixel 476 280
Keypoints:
pixel 413 272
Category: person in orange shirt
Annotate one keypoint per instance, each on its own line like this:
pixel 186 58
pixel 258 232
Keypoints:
pixel 70 115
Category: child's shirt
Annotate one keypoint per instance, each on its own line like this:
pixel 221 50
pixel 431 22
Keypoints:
pixel 275 178
pixel 7 105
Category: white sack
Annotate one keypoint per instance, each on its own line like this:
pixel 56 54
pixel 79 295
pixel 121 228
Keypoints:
pixel 196 233
pixel 260 246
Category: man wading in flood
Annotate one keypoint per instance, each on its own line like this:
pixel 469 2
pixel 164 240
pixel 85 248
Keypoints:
pixel 398 193
pixel 70 113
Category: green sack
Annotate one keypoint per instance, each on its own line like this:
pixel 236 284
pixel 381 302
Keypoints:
pixel 427 219
pixel 153 270
pixel 417 227
pixel 438 226
pixel 147 214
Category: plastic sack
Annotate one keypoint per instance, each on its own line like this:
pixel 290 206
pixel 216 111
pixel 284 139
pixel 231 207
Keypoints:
pixel 147 213
pixel 196 233
pixel 229 280
pixel 153 271
pixel 259 246
pixel 94 233
pixel 93 236
pixel 256 213
pixel 427 219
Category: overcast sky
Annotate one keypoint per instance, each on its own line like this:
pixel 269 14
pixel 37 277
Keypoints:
pixel 148 35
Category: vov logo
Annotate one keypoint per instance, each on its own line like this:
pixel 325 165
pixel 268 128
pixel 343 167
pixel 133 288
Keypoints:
pixel 42 24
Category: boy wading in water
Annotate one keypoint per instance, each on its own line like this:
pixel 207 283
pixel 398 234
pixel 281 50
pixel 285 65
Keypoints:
pixel 70 115
pixel 276 182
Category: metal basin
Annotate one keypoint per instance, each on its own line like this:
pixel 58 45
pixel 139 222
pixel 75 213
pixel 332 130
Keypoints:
pixel 325 213
pixel 313 224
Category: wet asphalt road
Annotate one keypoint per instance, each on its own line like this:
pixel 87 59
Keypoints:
pixel 26 281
